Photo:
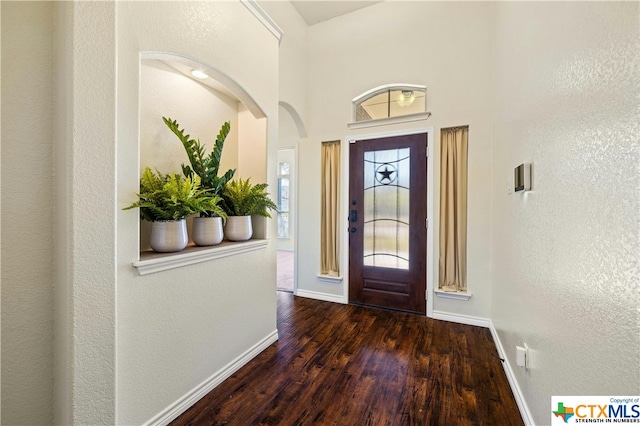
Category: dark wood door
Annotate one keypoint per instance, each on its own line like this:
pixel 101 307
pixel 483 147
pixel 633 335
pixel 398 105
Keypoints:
pixel 387 222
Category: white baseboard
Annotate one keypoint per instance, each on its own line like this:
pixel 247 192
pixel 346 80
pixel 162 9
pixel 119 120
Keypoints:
pixel 321 296
pixel 182 404
pixel 517 393
pixel 487 323
pixel 461 319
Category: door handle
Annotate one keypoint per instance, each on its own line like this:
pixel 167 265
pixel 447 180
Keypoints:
pixel 353 216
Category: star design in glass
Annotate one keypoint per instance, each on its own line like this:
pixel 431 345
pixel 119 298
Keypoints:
pixel 386 174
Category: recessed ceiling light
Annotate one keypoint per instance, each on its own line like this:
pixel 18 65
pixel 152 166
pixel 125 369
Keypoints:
pixel 199 74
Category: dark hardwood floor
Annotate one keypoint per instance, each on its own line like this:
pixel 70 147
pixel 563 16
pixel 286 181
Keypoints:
pixel 350 365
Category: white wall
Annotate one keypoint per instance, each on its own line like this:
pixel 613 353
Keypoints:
pixel 27 226
pixel 63 314
pixel 85 204
pixel 445 46
pixel 293 57
pixel 252 149
pixel 565 255
pixel 174 329
pixel 178 328
pixel 198 109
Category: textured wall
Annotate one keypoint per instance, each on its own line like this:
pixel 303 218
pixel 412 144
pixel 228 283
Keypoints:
pixel 27 214
pixel 565 255
pixel 85 310
pixel 177 328
pixel 293 55
pixel 252 148
pixel 293 66
pixel 63 314
pixel 354 53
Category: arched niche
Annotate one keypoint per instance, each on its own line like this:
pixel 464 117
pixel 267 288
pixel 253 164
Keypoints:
pixel 302 131
pixel 200 104
pixel 215 74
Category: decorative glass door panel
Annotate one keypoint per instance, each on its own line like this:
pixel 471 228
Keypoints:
pixel 386 208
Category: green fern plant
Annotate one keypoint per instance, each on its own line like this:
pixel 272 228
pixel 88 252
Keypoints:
pixel 243 199
pixel 202 165
pixel 173 197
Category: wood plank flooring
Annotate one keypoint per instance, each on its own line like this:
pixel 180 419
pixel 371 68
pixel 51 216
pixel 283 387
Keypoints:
pixel 350 365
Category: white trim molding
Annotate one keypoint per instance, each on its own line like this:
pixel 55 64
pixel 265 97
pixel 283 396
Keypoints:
pixel 389 120
pixel 462 319
pixel 194 395
pixel 264 18
pixel 326 297
pixel 192 255
pixel 513 383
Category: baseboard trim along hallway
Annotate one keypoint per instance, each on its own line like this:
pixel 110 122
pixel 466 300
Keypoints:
pixel 321 296
pixel 181 405
pixel 487 323
pixel 461 319
pixel 515 389
pixel 349 364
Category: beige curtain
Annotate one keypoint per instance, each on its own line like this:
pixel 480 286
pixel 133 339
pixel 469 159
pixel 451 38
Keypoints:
pixel 453 208
pixel 330 250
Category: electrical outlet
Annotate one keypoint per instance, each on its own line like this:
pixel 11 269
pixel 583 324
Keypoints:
pixel 521 356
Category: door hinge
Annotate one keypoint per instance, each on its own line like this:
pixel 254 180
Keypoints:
pixel 426 223
pixel 427 151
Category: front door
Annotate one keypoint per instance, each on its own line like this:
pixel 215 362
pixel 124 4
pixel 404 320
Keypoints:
pixel 387 222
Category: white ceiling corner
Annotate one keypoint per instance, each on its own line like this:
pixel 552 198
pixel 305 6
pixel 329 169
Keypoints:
pixel 315 11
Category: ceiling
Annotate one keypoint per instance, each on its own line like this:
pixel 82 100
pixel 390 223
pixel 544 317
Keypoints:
pixel 314 11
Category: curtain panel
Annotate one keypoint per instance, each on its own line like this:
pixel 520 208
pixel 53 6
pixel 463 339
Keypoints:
pixel 453 208
pixel 329 244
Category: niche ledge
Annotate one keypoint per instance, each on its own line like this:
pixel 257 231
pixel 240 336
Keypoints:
pixel 329 278
pixel 151 262
pixel 453 295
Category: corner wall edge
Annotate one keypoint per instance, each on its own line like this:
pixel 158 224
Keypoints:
pixel 264 18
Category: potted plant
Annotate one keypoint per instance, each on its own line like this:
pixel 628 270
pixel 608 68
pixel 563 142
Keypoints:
pixel 207 229
pixel 241 200
pixel 166 200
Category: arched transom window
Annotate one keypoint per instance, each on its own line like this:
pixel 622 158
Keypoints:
pixel 390 101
